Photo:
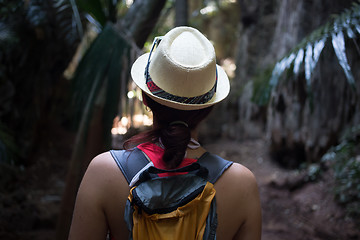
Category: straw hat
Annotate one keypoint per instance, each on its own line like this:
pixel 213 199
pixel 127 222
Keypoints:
pixel 181 71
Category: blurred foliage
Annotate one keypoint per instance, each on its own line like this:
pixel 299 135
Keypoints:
pixel 100 68
pixel 261 81
pixel 218 20
pixel 75 17
pixel 306 54
pixel 101 10
pixel 163 25
pixel 37 40
pixel 8 149
pixel 312 171
pixel 345 160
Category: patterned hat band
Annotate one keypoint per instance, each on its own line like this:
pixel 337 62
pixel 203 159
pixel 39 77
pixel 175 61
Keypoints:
pixel 157 91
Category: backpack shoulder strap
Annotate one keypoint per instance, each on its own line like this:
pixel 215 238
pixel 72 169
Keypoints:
pixel 130 162
pixel 215 164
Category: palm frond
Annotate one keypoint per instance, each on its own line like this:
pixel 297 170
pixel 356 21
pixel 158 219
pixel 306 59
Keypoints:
pixel 95 8
pixel 77 18
pixel 68 20
pixel 307 52
pixel 37 13
pixel 100 65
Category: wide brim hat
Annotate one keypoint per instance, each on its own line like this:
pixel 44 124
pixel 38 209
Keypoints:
pixel 181 71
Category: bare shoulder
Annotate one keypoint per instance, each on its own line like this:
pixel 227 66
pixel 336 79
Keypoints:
pixel 102 161
pixel 238 176
pixel 104 172
pixel 103 165
pixel 239 210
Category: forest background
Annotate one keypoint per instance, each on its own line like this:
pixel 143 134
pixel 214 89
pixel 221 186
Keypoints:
pixel 66 95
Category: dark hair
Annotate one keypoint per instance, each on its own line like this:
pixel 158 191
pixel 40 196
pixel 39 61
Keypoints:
pixel 174 137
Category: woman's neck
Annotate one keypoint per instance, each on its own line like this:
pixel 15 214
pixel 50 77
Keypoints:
pixel 194 134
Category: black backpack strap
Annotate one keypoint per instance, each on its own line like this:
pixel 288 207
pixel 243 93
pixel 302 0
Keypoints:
pixel 215 164
pixel 130 162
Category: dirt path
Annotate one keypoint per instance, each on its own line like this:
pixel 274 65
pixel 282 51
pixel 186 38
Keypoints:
pixel 290 212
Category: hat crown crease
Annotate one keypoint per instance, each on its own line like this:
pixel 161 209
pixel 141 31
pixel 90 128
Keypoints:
pixel 182 50
pixel 184 63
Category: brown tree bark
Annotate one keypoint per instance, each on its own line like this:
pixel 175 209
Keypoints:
pixel 141 19
pixel 181 13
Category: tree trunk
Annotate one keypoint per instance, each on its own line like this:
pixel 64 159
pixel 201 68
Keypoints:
pixel 141 19
pixel 181 13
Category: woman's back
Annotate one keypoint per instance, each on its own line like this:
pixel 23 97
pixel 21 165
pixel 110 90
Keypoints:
pixel 105 187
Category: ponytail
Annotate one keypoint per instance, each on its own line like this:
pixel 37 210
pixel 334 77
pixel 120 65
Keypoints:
pixel 175 138
pixel 172 130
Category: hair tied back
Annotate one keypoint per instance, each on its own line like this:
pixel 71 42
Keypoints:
pixel 179 123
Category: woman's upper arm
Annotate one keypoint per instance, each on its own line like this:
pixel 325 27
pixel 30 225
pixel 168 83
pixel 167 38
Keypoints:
pixel 238 204
pixel 251 227
pixel 89 220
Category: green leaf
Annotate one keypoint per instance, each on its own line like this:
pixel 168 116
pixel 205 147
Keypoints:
pixel 92 67
pixel 100 65
pixel 311 58
pixel 94 8
pixel 298 60
pixel 77 17
pixel 338 43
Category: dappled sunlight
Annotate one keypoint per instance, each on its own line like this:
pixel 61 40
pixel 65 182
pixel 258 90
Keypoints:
pixel 129 3
pixel 138 119
pixel 229 66
pixel 122 125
